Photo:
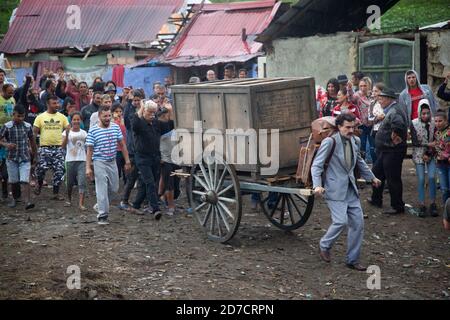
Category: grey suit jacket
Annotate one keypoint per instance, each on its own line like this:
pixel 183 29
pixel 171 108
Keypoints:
pixel 338 178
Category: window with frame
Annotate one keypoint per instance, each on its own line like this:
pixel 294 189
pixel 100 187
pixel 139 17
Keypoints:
pixel 387 60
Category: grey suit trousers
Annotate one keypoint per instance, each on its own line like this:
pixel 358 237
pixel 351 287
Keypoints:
pixel 346 213
pixel 106 185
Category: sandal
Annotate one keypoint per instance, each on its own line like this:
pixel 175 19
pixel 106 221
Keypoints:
pixel 82 208
pixel 67 204
pixel 58 197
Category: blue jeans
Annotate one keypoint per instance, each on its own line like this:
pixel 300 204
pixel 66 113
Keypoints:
pixel 420 171
pixel 444 180
pixel 366 136
pixel 18 171
pixel 149 168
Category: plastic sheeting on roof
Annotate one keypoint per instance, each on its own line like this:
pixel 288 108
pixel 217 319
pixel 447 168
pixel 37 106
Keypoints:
pixel 142 77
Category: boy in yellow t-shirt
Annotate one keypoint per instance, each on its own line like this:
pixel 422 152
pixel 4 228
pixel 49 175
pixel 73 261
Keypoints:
pixel 50 125
pixel 7 103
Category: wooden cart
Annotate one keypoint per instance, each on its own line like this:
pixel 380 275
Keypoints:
pixel 215 183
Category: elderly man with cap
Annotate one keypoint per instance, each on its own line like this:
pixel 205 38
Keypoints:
pixel 111 90
pixel 343 81
pixel 390 142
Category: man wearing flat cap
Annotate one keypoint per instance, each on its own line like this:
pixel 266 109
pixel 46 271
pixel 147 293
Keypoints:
pixel 390 143
pixel 343 81
pixel 111 90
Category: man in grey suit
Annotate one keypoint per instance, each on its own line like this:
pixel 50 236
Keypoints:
pixel 333 176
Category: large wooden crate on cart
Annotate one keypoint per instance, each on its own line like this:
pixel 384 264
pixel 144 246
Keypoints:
pixel 215 187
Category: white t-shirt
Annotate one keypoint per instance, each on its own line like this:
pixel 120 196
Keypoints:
pixel 93 120
pixel 377 111
pixel 166 146
pixel 76 150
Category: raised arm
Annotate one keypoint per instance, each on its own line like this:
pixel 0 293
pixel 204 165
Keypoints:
pixel 24 92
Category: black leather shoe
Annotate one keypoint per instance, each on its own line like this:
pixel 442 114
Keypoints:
pixel 422 212
pixel 434 210
pixel 377 205
pixel 356 266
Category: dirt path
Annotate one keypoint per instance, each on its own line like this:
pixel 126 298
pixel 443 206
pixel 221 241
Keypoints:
pixel 138 258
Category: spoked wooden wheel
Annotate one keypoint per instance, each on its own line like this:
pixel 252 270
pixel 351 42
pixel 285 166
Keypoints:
pixel 215 197
pixel 287 211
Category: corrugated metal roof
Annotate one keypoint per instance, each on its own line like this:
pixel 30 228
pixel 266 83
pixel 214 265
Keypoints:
pixel 311 17
pixel 41 24
pixel 215 34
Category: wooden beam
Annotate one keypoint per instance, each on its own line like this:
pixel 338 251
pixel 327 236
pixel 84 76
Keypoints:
pixel 88 53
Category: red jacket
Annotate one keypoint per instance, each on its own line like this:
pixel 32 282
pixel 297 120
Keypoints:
pixel 72 92
pixel 351 108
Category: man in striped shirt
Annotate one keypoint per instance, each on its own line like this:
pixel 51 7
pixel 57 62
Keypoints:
pixel 101 143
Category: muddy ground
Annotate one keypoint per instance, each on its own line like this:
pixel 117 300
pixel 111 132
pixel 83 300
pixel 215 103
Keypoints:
pixel 136 257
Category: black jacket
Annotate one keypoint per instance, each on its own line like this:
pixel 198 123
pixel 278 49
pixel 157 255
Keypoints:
pixel 59 92
pixel 442 94
pixel 86 114
pixel 128 116
pixel 32 105
pixel 395 121
pixel 147 136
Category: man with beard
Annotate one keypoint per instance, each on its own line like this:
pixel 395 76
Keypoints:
pixel 101 143
pixel 333 176
pixel 105 102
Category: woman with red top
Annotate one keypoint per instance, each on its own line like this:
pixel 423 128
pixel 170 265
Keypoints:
pixel 117 112
pixel 329 100
pixel 344 106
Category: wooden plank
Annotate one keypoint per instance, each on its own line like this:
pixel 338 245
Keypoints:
pixel 211 111
pixel 186 111
pixel 286 104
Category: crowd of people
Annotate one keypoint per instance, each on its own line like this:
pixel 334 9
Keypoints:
pixel 385 123
pixel 79 130
pixel 87 135
pixel 382 123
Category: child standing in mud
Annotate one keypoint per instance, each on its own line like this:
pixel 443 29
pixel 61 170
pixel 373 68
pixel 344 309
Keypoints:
pixel 74 139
